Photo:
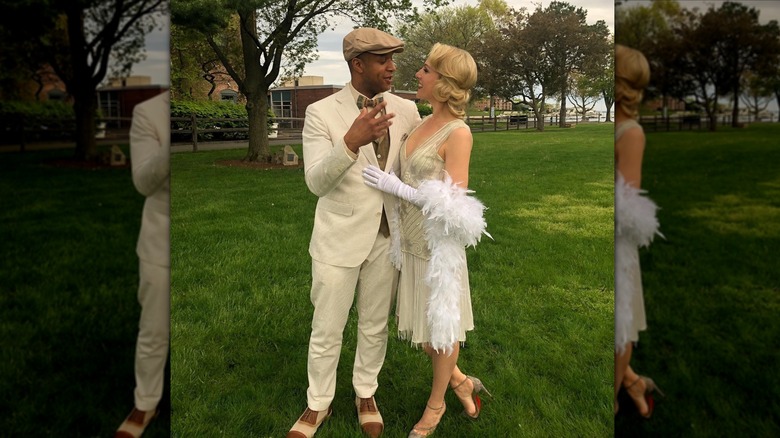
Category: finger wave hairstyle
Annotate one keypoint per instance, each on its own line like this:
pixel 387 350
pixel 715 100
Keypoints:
pixel 458 73
pixel 632 74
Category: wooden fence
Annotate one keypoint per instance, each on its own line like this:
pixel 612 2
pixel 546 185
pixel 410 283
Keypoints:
pixel 22 131
pixel 692 122
pixel 194 130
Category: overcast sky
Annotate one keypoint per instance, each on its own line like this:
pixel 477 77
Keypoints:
pixel 157 61
pixel 333 68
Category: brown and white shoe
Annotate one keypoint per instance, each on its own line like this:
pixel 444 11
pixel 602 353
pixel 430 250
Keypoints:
pixel 135 423
pixel 310 421
pixel 369 416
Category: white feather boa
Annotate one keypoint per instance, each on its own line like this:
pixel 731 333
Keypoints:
pixel 452 220
pixel 635 226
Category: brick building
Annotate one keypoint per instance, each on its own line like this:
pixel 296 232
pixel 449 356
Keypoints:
pixel 121 95
pixel 293 97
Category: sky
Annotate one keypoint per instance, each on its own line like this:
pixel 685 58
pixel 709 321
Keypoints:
pixel 332 67
pixel 157 63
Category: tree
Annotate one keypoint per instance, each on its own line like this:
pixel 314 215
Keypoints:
pixel 654 31
pixel 700 65
pixel 464 27
pixel 744 45
pixel 83 41
pixel 773 83
pixel 584 92
pixel 277 37
pixel 605 83
pixel 571 44
pixel 529 73
pixel 758 93
pixel 194 64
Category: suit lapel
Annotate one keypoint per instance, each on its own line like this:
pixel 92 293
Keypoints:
pixel 396 131
pixel 346 108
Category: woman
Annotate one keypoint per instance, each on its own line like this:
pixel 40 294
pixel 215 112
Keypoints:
pixel 437 220
pixel 635 224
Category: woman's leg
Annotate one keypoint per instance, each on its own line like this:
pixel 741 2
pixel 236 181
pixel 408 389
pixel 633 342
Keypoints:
pixel 636 388
pixel 621 363
pixel 626 377
pixel 443 367
pixel 462 388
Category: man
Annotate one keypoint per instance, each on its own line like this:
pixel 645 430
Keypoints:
pixel 350 241
pixel 150 139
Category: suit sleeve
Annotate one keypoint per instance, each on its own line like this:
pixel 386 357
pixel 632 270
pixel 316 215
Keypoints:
pixel 327 160
pixel 149 159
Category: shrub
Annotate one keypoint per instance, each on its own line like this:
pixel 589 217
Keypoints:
pixel 49 120
pixel 212 110
pixel 424 109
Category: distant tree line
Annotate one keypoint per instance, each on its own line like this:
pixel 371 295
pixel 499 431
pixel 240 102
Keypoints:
pixel 703 56
pixel 523 57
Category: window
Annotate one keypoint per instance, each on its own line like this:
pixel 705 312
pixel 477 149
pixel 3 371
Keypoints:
pixel 281 103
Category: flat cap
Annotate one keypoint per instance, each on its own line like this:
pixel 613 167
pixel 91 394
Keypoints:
pixel 368 39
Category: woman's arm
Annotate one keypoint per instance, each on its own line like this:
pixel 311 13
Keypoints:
pixel 456 152
pixel 630 149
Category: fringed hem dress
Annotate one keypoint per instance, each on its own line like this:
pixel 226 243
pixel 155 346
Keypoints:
pixel 414 291
pixel 635 226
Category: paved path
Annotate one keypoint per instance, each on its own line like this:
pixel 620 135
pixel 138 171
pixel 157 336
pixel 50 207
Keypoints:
pixel 177 147
pixel 221 145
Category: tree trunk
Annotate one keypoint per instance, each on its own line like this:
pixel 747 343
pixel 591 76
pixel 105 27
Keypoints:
pixel 257 109
pixel 608 103
pixel 713 120
pixel 562 114
pixel 735 109
pixel 85 109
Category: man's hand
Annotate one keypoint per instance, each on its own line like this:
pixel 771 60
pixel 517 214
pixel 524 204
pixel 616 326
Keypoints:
pixel 368 127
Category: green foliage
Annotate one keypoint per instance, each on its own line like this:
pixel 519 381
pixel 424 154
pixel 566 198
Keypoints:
pixel 49 109
pixel 464 27
pixel 424 109
pixel 48 120
pixel 205 109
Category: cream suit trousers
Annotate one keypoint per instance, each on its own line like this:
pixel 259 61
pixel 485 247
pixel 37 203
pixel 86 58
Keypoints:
pixel 332 293
pixel 151 350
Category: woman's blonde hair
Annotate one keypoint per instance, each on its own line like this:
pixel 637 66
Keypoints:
pixel 458 73
pixel 632 74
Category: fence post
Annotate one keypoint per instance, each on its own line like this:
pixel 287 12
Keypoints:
pixel 483 123
pixel 194 126
pixel 21 126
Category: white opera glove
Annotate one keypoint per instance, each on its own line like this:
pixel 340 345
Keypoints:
pixel 388 183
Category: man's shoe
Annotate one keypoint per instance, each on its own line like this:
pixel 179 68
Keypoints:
pixel 369 416
pixel 135 423
pixel 309 422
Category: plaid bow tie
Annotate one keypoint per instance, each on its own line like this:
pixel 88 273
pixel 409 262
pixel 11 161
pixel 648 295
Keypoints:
pixel 368 103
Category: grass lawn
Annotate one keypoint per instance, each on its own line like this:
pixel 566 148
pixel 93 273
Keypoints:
pixel 542 295
pixel 68 308
pixel 712 290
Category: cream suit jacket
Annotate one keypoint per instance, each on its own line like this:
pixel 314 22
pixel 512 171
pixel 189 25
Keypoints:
pixel 346 221
pixel 150 149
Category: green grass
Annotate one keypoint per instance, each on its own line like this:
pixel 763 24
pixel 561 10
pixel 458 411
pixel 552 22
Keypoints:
pixel 542 297
pixel 711 288
pixel 68 308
